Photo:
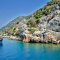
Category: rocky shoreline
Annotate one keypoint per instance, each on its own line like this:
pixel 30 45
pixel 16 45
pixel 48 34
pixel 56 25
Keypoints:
pixel 46 37
pixel 37 37
pixel 12 37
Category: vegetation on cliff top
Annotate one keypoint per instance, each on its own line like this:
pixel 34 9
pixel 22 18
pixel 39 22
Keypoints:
pixel 46 9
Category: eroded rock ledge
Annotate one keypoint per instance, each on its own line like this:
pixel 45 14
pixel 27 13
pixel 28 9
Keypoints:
pixel 45 37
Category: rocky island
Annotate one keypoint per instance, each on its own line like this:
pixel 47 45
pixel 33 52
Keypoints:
pixel 43 26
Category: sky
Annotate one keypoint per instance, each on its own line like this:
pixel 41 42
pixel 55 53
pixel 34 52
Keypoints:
pixel 10 9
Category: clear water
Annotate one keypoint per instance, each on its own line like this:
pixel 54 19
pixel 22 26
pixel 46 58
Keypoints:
pixel 16 50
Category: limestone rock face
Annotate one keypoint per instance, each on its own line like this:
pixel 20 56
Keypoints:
pixel 46 37
pixel 35 39
pixel 54 24
pixel 49 38
pixel 51 21
pixel 49 29
pixel 26 38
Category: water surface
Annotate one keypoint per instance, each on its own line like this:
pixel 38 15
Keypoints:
pixel 16 50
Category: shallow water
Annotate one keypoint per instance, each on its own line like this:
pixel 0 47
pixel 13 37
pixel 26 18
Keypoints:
pixel 16 50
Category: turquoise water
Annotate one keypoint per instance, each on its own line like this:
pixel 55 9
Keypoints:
pixel 16 50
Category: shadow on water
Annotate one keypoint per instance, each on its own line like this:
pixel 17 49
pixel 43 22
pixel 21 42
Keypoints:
pixel 1 44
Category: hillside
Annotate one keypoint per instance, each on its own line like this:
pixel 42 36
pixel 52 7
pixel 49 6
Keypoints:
pixel 46 10
pixel 14 23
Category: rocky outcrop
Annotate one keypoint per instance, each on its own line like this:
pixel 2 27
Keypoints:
pixel 45 37
pixel 35 39
pixel 26 38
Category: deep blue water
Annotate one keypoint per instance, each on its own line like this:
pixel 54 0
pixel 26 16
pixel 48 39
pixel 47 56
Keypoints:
pixel 16 50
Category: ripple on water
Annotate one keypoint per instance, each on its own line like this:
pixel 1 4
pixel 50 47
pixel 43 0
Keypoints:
pixel 16 50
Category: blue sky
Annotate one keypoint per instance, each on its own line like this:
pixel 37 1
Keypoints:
pixel 10 9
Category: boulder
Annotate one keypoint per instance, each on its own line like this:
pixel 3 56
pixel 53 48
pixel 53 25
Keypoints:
pixel 35 39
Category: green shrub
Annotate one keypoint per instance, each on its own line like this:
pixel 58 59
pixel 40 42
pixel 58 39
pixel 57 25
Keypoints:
pixel 32 30
pixel 31 23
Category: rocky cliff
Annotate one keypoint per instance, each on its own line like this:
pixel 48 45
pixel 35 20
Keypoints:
pixel 41 26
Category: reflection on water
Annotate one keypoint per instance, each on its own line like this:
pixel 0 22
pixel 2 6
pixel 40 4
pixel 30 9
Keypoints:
pixel 40 46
